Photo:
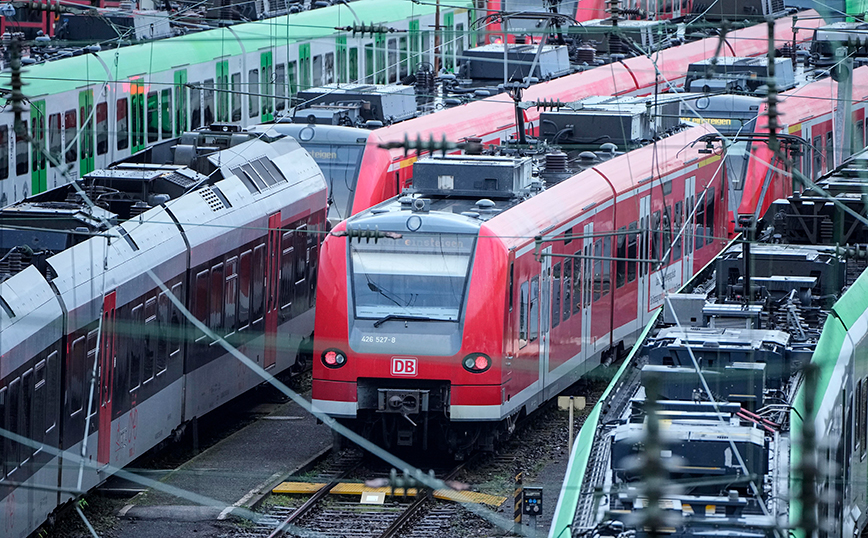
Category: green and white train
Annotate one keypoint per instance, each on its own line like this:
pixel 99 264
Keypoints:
pixel 87 111
pixel 728 358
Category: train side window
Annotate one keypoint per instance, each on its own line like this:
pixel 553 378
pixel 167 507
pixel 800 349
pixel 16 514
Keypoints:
pixel 291 79
pixel 265 82
pixel 317 70
pixel 589 277
pixel 607 265
pixel 667 233
pixel 55 139
pixel 151 336
pixel 354 64
pixel 195 108
pixel 459 41
pixel 91 347
pixel 568 286
pixel 577 282
pixel 280 86
pixel 688 228
pixel 5 442
pixel 69 125
pixel 12 452
pixel 621 254
pixel 287 280
pixel 164 316
pixel 22 163
pixel 26 414
pixel 818 157
pixel 153 117
pixel 253 95
pixel 123 124
pixel 709 217
pixel 828 151
pixel 208 94
pixel 522 314
pixel 656 236
pixel 859 135
pixel 632 250
pixel 52 394
pixel 556 295
pixel 369 63
pixel 75 378
pixel 393 60
pixel 166 113
pixel 216 317
pixel 533 310
pixel 700 222
pixel 678 221
pixel 403 68
pixel 230 295
pixel 101 128
pixel 244 275
pixel 175 339
pixel 258 295
pixel 329 68
pixel 136 319
pixel 598 269
pixel 200 302
pixel 236 96
pixel 37 429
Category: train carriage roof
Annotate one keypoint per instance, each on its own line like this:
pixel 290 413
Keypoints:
pixel 178 52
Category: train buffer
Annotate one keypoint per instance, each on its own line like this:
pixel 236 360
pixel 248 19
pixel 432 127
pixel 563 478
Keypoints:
pixel 348 488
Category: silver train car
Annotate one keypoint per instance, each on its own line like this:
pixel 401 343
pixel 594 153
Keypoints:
pixel 228 223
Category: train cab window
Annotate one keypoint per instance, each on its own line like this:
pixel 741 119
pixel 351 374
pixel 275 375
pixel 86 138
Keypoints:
pixel 709 216
pixel 556 295
pixel 677 222
pixel 236 97
pixel 195 108
pixel 280 86
pixel 135 350
pixel 607 265
pixel 152 334
pixel 55 139
pixel 533 309
pixel 153 117
pixel 166 113
pixel 598 269
pixel 208 94
pixel 522 314
pixel 568 288
pixel 393 60
pixel 101 128
pixel 369 63
pixel 621 254
pixel 123 125
pixel 230 295
pixel 700 221
pixel 253 93
pixel 244 277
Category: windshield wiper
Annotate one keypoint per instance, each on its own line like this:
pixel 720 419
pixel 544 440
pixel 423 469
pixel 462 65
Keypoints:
pixel 405 317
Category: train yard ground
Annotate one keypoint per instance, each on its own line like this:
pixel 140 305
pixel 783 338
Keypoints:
pixel 259 441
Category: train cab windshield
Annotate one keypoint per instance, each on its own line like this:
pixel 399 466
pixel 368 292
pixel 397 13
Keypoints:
pixel 340 165
pixel 420 277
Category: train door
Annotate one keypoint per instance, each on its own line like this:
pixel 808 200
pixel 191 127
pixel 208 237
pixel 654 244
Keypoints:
pixel 545 310
pixel 272 274
pixel 180 101
pixel 38 173
pixel 106 374
pixel 587 284
pixel 85 115
pixel 687 235
pixel 449 23
pixel 266 85
pixel 304 66
pixel 137 115
pixel 643 268
pixel 415 43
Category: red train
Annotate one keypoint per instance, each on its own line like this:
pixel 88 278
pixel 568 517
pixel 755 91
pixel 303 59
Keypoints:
pixel 454 320
pixel 384 173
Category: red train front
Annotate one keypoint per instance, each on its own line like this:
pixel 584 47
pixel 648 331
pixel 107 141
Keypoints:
pixel 441 318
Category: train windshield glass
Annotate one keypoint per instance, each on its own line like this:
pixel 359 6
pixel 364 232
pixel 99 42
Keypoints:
pixel 419 275
pixel 736 163
pixel 340 165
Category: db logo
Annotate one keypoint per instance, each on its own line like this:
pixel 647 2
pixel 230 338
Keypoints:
pixel 404 366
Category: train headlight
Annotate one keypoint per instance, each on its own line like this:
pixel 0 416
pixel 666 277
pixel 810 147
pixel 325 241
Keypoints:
pixel 476 362
pixel 334 358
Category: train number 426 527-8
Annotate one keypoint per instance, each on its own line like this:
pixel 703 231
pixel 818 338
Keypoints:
pixel 378 339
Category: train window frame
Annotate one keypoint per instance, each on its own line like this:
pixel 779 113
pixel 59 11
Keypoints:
pixel 577 281
pixel 236 97
pixel 588 282
pixel 598 270
pixel 699 222
pixel 216 299
pixel 287 276
pixel 122 123
pixel 209 111
pixel 353 64
pixel 53 391
pixel 607 265
pixel 70 129
pixel 392 60
pixel 55 139
pixel 403 58
pixel 91 347
pixel 533 310
pixel 709 216
pixel 828 151
pixel 329 68
pixel 568 288
pixel 152 113
pixel 317 70
pixel 195 107
pixel 149 370
pixel 253 93
pixel 245 276
pixel 164 316
pixel 134 357
pixel 666 227
pixel 556 295
pixel 621 254
pixel 76 369
pixel 369 63
pixel 860 135
pixel 166 111
pixel 22 150
pixel 523 313
pixel 818 157
pixel 102 129
pixel 39 400
pixel 257 294
pixel 857 420
pixel 678 221
pixel 230 295
pixel 280 86
pixel 201 302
